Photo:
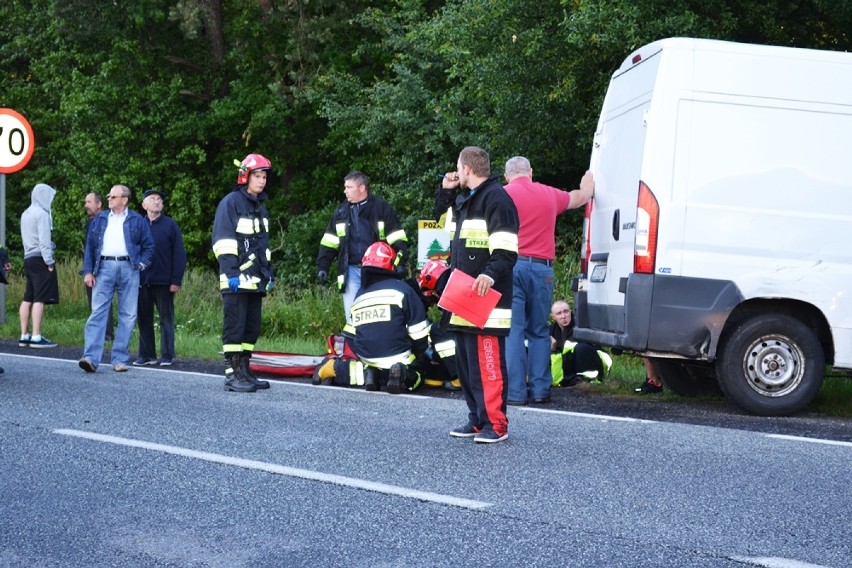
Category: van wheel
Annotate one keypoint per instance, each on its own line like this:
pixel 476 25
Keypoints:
pixel 687 379
pixel 771 365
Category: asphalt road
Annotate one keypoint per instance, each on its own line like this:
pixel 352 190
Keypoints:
pixel 164 468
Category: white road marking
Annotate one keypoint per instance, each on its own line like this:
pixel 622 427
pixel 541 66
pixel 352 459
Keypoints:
pixel 283 470
pixel 585 415
pixel 774 562
pixel 811 440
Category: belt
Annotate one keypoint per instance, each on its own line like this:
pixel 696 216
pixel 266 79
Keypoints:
pixel 116 258
pixel 544 261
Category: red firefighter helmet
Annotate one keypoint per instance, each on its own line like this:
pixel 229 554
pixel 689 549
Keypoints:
pixel 379 255
pixel 251 163
pixel 429 275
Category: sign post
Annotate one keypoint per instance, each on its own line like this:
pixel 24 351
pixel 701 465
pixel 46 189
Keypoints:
pixel 17 143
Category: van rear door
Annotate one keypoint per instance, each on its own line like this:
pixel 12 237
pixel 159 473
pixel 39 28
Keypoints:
pixel 611 222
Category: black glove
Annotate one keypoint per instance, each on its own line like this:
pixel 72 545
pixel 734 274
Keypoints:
pixel 322 277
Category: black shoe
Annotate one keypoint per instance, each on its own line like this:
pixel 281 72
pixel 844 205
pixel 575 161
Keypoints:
pixel 370 379
pixel 396 376
pixel 245 361
pixel 541 400
pixel 649 388
pixel 237 384
pixel 42 343
pixel 511 402
pixel 87 365
pixel 466 431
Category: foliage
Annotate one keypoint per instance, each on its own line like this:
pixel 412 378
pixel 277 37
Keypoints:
pixel 167 93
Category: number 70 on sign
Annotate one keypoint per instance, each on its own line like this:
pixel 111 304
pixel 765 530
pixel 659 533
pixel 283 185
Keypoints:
pixel 17 141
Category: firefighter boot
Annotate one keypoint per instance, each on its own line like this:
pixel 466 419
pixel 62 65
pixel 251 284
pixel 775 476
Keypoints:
pixel 325 373
pixel 245 358
pixel 370 382
pixel 396 378
pixel 234 379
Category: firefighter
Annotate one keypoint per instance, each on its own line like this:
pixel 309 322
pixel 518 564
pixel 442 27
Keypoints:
pixel 241 246
pixel 438 364
pixel 573 362
pixel 357 223
pixel 389 321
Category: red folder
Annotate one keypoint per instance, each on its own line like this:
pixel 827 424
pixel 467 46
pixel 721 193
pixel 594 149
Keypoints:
pixel 460 299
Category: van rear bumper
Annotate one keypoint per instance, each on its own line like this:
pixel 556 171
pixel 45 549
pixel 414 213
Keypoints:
pixel 661 314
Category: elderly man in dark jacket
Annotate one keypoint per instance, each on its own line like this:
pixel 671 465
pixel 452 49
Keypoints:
pixel 159 283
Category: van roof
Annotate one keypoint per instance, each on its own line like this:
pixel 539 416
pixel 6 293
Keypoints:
pixel 697 44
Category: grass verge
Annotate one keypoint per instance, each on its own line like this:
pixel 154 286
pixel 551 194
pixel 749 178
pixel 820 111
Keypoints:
pixel 297 320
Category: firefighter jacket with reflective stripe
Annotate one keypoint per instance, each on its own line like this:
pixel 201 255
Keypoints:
pixel 241 241
pixel 390 323
pixel 483 227
pixel 384 226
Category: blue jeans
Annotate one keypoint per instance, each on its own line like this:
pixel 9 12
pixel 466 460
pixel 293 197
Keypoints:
pixel 353 284
pixel 113 277
pixel 529 366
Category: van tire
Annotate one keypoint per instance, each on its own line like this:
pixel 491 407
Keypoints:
pixel 687 379
pixel 771 365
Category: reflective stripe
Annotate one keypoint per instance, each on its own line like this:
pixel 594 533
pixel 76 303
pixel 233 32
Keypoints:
pixel 247 264
pixel 245 282
pixel 225 246
pixel 419 330
pixel 340 278
pixel 503 240
pixel 248 347
pixel 348 329
pixel 330 241
pixel 341 229
pixel 388 362
pixel 381 227
pixel 232 348
pixel 379 298
pixel 356 374
pixel 450 222
pixel 445 348
pixel 247 226
pixel 474 229
pixel 500 318
pixel 397 236
pixel 606 360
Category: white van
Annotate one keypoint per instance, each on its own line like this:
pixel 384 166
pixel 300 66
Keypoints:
pixel 719 240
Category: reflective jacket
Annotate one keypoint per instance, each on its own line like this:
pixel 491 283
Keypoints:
pixel 483 226
pixel 241 241
pixel 390 322
pixel 384 226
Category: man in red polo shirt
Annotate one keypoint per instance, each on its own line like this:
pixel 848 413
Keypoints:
pixel 538 206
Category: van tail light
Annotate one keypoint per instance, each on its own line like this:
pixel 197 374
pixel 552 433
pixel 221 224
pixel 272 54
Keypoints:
pixel 586 246
pixel 647 223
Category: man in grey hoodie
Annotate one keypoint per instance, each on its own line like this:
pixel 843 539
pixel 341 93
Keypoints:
pixel 39 266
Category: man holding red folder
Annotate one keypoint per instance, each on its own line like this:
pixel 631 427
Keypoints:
pixel 483 225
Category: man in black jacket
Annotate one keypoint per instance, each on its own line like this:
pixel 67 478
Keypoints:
pixel 483 225
pixel 159 283
pixel 357 223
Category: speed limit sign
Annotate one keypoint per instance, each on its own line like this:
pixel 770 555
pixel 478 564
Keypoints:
pixel 17 141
